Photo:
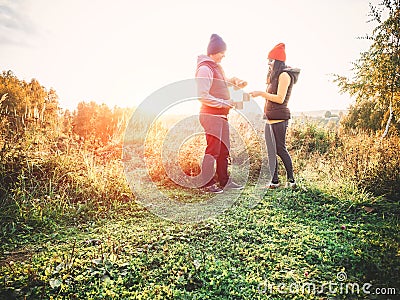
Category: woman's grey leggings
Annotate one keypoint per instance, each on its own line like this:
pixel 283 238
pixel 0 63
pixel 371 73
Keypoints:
pixel 275 137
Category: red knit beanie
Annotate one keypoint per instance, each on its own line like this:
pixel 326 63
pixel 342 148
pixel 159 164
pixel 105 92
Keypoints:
pixel 278 52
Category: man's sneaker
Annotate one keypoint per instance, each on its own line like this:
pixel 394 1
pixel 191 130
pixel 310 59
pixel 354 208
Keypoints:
pixel 233 186
pixel 272 185
pixel 291 185
pixel 214 189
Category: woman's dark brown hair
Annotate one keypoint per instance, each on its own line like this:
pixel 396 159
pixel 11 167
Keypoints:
pixel 273 75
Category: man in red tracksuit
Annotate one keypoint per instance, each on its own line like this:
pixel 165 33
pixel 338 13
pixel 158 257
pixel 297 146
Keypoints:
pixel 215 98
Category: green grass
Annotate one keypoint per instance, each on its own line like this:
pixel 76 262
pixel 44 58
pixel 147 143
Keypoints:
pixel 70 230
pixel 291 237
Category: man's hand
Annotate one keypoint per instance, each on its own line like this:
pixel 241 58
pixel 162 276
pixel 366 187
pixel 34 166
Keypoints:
pixel 241 83
pixel 238 83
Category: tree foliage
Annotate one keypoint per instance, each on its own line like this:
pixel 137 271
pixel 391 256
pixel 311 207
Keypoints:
pixel 97 123
pixel 376 81
pixel 367 115
pixel 26 105
pixel 30 107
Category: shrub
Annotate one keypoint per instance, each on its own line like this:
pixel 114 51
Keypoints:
pixel 45 189
pixel 309 138
pixel 373 163
pixel 362 159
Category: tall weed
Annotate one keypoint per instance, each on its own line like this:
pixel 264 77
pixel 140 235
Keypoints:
pixel 45 189
pixel 373 163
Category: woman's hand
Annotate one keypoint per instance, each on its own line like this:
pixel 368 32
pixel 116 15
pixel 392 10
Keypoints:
pixel 256 94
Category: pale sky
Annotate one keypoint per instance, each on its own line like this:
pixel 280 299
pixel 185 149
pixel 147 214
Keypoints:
pixel 119 52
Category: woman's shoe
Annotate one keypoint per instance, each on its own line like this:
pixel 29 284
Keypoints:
pixel 291 185
pixel 272 185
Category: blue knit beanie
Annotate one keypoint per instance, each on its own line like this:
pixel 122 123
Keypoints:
pixel 215 45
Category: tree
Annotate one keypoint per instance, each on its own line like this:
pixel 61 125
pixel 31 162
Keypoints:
pixel 366 115
pixel 97 123
pixel 328 114
pixel 27 105
pixel 377 71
